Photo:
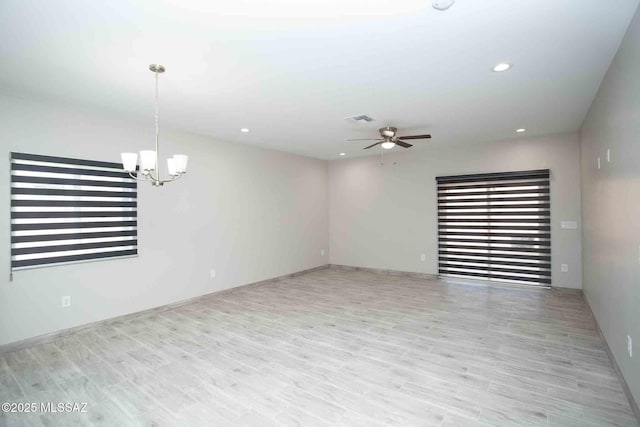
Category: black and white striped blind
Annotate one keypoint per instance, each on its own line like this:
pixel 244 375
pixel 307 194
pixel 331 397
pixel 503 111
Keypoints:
pixel 495 226
pixel 70 210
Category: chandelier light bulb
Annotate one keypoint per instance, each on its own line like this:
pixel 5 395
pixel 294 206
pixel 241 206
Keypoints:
pixel 129 161
pixel 148 160
pixel 171 166
pixel 181 162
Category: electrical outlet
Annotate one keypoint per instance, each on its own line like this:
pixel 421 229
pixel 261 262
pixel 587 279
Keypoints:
pixel 321 252
pixel 212 273
pixel 423 257
pixel 569 225
pixel 629 346
pixel 564 268
pixel 598 162
pixel 608 155
pixel 66 301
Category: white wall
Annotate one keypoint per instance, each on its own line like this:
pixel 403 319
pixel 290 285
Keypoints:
pixel 611 205
pixel 250 213
pixel 385 216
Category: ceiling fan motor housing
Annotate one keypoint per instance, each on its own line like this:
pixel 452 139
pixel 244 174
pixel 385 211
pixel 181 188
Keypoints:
pixel 388 132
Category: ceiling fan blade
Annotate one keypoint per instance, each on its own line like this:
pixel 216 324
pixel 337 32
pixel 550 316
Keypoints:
pixel 415 137
pixel 366 139
pixel 403 144
pixel 372 145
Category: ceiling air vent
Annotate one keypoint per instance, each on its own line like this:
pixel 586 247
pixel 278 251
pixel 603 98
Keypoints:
pixel 361 118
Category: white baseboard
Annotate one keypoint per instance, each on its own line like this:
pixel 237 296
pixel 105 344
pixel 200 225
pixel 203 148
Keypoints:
pixel 627 391
pixel 415 275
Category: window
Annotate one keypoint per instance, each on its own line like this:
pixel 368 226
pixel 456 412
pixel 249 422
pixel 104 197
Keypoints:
pixel 495 226
pixel 69 210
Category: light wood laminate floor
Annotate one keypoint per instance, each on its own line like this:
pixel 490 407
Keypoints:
pixel 332 347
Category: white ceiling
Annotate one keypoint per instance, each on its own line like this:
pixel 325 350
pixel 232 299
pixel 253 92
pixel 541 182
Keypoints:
pixel 291 70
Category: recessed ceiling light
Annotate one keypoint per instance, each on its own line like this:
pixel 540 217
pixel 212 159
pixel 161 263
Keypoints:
pixel 521 130
pixel 343 154
pixel 503 66
pixel 244 130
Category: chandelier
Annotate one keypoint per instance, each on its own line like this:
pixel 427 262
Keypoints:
pixel 149 168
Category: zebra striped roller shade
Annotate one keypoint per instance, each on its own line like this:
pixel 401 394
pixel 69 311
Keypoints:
pixel 70 210
pixel 495 226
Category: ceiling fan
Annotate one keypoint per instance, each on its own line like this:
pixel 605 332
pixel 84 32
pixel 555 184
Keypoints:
pixel 390 140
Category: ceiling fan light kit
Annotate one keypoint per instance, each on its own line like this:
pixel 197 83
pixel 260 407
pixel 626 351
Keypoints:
pixel 149 167
pixel 388 145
